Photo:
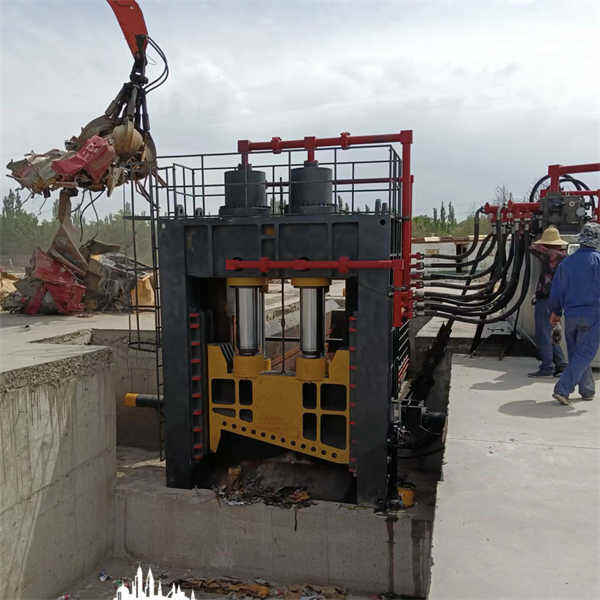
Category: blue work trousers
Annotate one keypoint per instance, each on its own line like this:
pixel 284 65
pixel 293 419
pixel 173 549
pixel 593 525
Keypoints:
pixel 549 353
pixel 583 340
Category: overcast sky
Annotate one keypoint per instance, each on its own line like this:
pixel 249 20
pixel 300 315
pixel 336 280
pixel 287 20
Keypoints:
pixel 495 90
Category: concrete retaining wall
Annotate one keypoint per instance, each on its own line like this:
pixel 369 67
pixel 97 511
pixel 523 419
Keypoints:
pixel 57 471
pixel 133 371
pixel 327 543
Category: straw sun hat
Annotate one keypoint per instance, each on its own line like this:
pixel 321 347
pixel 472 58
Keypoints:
pixel 551 237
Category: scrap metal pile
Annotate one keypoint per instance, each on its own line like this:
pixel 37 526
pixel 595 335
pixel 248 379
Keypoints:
pixel 69 279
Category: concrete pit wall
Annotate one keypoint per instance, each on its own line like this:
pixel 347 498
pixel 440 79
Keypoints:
pixel 57 473
pixel 133 371
pixel 327 543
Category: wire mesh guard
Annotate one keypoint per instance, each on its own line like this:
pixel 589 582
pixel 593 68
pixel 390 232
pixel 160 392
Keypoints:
pixel 365 179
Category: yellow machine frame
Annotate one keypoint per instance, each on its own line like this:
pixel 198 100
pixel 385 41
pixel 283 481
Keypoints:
pixel 277 410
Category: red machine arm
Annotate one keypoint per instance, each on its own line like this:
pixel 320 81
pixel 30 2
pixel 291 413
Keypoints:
pixel 132 23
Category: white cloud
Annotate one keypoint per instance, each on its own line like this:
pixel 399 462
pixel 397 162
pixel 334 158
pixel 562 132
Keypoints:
pixel 494 91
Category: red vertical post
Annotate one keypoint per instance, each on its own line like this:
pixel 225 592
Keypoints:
pixel 310 143
pixel 406 207
pixel 554 172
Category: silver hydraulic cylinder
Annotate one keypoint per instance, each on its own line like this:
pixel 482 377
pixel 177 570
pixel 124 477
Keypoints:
pixel 312 321
pixel 250 319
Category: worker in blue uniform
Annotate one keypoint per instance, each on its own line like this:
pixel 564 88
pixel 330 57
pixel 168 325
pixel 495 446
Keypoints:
pixel 576 293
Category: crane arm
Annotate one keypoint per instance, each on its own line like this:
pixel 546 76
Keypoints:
pixel 130 18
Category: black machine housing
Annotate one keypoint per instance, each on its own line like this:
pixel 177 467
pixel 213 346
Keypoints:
pixel 193 250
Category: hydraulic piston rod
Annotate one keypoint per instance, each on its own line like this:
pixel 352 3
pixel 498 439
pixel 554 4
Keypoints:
pixel 312 315
pixel 249 308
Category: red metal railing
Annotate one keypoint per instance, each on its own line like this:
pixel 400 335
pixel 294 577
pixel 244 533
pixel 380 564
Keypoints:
pixel 311 143
pixel 555 171
pixel 403 296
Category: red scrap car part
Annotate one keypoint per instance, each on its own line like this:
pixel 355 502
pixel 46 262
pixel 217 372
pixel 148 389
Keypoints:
pixel 94 157
pixel 59 282
pixel 49 270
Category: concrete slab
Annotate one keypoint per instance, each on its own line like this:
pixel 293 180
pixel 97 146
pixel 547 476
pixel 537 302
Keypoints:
pixel 463 330
pixel 517 511
pixel 17 332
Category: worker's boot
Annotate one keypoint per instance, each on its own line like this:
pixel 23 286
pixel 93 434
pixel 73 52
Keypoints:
pixel 540 373
pixel 562 399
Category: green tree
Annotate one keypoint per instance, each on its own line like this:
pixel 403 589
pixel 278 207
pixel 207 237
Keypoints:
pixel 423 226
pixel 19 232
pixel 12 204
pixel 443 224
pixel 451 216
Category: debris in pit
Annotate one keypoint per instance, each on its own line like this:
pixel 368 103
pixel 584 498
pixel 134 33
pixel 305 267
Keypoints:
pixel 233 474
pixel 259 588
pixel 224 587
pixel 314 592
pixel 240 489
pixel 103 576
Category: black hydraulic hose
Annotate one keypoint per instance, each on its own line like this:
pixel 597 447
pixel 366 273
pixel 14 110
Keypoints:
pixel 535 187
pixel 580 185
pixel 469 263
pixel 480 253
pixel 499 318
pixel 492 304
pixel 562 179
pixel 464 288
pixel 471 299
pixel 480 256
pixel 456 286
pixel 451 313
pixel 437 276
pixel 458 257
pixel 485 286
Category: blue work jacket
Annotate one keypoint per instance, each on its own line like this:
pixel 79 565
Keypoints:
pixel 576 285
